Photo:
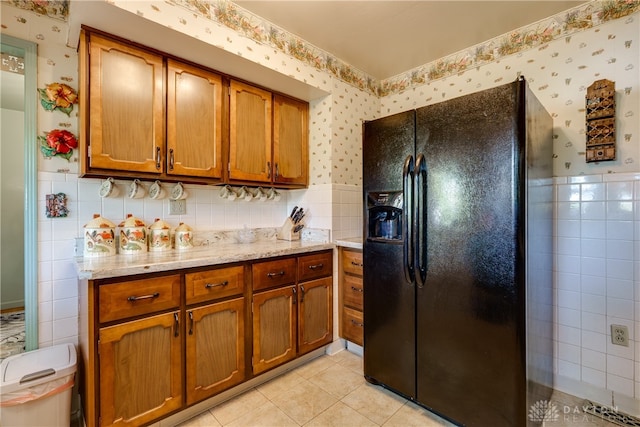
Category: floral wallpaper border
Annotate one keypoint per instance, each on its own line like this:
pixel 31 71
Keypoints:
pixel 228 14
pixel 261 31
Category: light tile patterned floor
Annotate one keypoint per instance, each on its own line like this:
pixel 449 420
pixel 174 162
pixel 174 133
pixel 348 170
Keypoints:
pixel 331 391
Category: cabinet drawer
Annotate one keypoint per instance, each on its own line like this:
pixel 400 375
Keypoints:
pixel 352 325
pixel 352 261
pixel 214 284
pixel 314 266
pixel 353 291
pixel 273 273
pixel 137 297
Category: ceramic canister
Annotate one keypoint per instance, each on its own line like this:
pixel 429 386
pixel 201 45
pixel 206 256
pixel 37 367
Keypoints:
pixel 183 237
pixel 133 236
pixel 159 236
pixel 99 237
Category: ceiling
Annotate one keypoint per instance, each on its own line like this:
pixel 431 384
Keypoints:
pixel 386 38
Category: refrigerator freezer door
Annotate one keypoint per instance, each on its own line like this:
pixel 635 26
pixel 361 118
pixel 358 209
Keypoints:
pixel 389 299
pixel 470 362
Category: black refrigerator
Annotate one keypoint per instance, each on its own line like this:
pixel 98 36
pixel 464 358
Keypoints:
pixel 458 256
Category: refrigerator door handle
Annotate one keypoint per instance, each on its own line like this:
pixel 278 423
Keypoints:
pixel 407 220
pixel 420 220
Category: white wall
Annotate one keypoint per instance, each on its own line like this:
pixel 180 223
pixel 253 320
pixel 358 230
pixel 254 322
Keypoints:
pixel 11 206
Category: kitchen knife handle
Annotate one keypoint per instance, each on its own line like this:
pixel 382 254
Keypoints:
pixel 407 223
pixel 420 226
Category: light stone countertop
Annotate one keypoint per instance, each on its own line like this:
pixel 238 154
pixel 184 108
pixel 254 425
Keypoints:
pixel 212 254
pixel 350 242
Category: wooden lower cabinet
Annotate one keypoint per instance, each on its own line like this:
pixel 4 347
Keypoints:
pixel 215 348
pixel 274 328
pixel 140 370
pixel 294 319
pixel 315 314
pixel 351 295
pixel 151 345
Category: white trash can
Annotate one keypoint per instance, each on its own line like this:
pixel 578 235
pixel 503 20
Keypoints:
pixel 35 387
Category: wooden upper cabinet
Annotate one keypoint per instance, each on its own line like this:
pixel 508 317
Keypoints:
pixel 290 141
pixel 250 133
pixel 194 121
pixel 126 98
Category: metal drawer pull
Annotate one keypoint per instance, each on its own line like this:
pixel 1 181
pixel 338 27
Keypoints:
pixel 357 323
pixel 213 285
pixel 353 288
pixel 281 273
pixel 191 323
pixel 301 293
pixel 150 296
pixel 316 266
pixel 356 264
pixel 176 327
pixel 295 295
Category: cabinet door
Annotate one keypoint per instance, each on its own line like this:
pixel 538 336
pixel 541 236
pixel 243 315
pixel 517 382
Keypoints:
pixel 194 121
pixel 250 133
pixel 215 348
pixel 140 370
pixel 274 328
pixel 290 141
pixel 315 314
pixel 126 102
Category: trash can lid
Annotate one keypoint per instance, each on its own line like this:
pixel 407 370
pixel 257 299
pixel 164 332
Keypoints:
pixel 38 366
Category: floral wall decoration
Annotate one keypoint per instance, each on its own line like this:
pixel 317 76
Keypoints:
pixel 56 206
pixel 59 143
pixel 58 96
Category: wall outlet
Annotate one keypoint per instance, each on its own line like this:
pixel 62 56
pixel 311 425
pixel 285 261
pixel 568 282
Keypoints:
pixel 177 207
pixel 620 335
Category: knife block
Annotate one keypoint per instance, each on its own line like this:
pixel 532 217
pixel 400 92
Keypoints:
pixel 286 231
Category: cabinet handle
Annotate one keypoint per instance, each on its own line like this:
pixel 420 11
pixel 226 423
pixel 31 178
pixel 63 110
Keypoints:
pixel 176 326
pixel 353 288
pixel 269 170
pixel 191 323
pixel 295 297
pixel 301 293
pixel 277 171
pixel 357 323
pixel 356 264
pixel 158 159
pixel 171 159
pixel 134 298
pixel 316 266
pixel 213 285
pixel 272 275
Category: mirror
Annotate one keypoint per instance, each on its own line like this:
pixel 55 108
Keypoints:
pixel 20 182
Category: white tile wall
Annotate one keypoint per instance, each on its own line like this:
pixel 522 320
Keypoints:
pixel 597 281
